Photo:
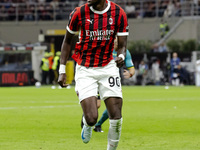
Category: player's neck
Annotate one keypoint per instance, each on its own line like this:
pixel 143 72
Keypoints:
pixel 101 6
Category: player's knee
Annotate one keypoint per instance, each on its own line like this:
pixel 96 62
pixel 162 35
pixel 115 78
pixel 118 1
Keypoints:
pixel 115 115
pixel 91 119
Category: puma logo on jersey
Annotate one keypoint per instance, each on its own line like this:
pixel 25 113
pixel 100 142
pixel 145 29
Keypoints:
pixel 90 20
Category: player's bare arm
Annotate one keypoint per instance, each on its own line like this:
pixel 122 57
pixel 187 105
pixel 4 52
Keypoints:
pixel 121 52
pixel 129 73
pixel 65 52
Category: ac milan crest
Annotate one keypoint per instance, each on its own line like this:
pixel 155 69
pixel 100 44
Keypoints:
pixel 110 21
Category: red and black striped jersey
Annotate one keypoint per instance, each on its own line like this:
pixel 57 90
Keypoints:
pixel 97 31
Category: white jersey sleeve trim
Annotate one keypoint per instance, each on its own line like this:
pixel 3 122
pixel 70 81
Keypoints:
pixel 70 31
pixel 122 33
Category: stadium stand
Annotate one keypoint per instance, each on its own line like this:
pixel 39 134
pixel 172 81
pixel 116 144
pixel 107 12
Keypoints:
pixel 32 15
pixel 35 10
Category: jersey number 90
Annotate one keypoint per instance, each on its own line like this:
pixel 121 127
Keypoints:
pixel 114 81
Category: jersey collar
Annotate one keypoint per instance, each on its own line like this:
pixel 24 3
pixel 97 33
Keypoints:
pixel 103 11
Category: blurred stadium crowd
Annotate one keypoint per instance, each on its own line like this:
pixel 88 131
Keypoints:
pixel 30 10
pixel 155 68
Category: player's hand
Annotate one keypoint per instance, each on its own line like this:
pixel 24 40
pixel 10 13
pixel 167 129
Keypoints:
pixel 62 80
pixel 126 74
pixel 119 61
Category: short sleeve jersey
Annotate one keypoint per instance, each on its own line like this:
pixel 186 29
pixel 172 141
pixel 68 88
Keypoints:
pixel 97 31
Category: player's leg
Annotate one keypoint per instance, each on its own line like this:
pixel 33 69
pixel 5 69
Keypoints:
pixel 114 106
pixel 98 106
pixel 90 115
pixel 98 128
pixel 86 88
pixel 110 91
pixel 90 111
pixel 103 118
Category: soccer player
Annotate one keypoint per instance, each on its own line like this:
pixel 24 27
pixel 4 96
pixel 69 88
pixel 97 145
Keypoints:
pixel 127 74
pixel 98 22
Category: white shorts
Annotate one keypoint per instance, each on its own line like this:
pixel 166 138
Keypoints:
pixel 105 80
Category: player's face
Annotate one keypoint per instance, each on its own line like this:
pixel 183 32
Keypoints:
pixel 93 2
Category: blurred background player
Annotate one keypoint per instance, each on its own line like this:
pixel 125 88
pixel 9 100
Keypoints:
pixel 126 74
pixel 55 66
pixel 45 68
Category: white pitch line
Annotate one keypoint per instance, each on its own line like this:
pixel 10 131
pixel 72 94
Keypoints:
pixel 36 107
pixel 66 102
pixel 63 106
pixel 129 100
pixel 164 99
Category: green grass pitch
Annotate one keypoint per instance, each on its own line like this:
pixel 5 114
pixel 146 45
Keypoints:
pixel 154 118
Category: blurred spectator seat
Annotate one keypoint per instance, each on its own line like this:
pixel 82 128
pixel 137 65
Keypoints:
pixel 130 10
